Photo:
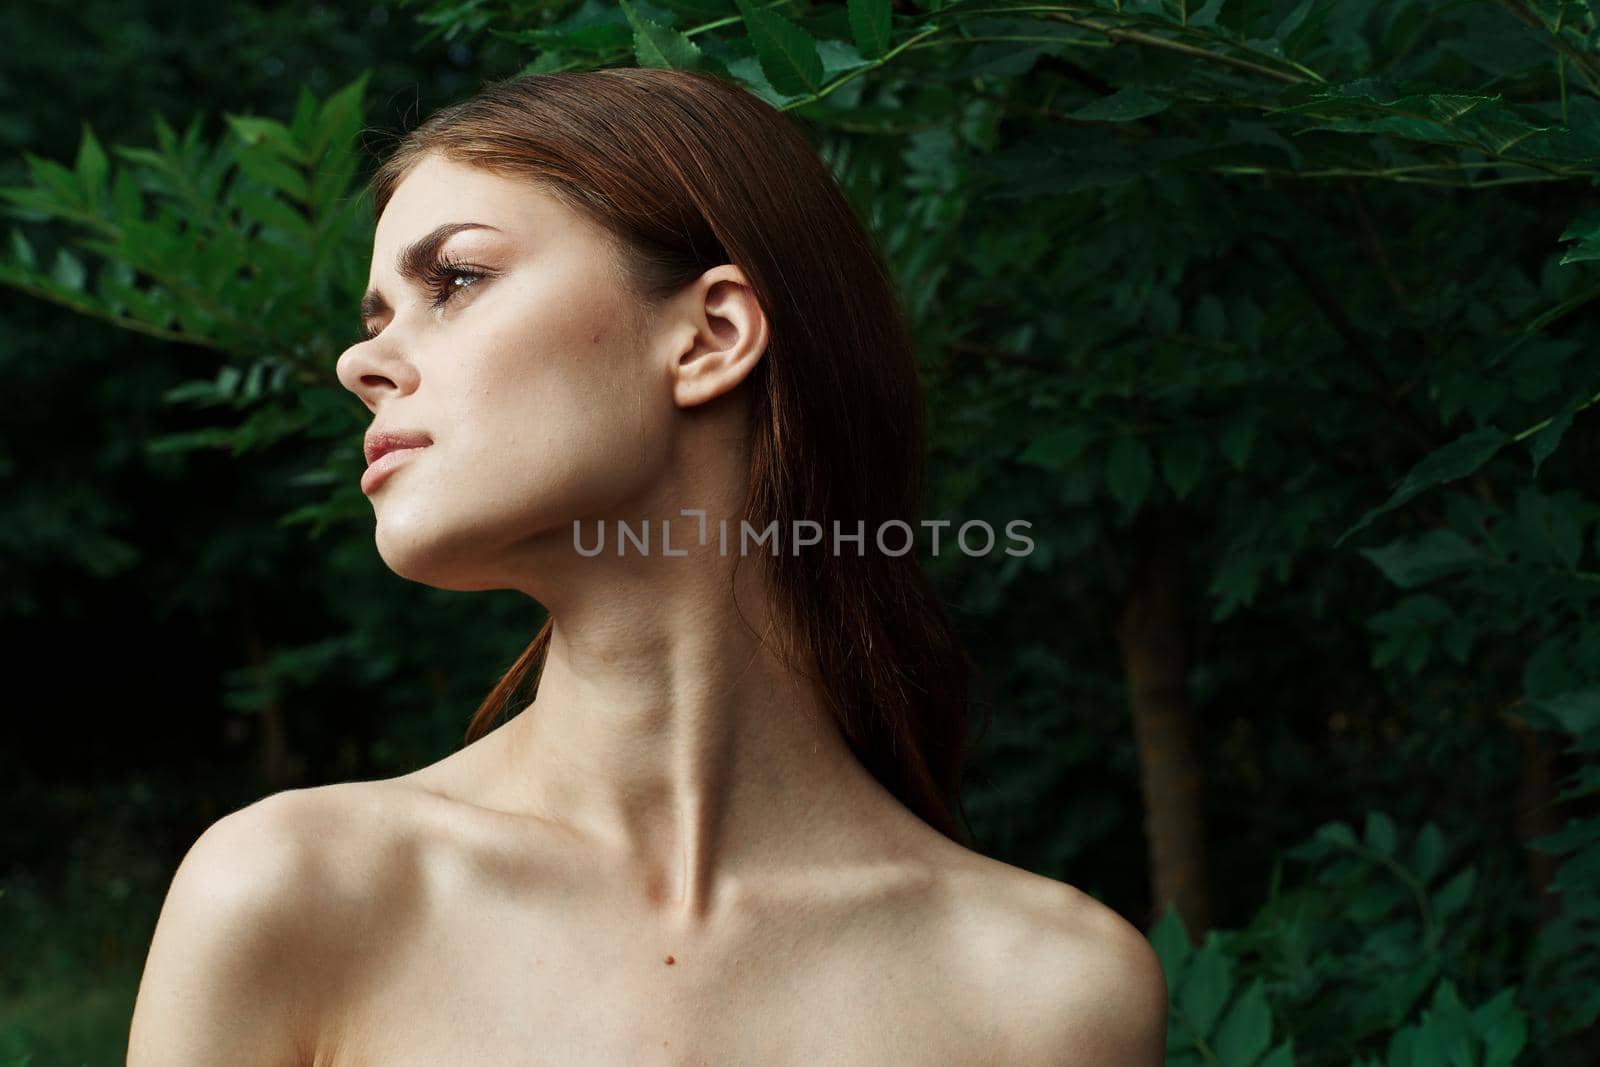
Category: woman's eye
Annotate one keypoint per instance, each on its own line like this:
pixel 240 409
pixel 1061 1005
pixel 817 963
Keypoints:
pixel 443 279
pixel 449 283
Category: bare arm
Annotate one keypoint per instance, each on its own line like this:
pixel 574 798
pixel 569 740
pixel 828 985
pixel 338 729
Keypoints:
pixel 222 981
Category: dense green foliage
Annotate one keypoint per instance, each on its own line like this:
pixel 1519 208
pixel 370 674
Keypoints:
pixel 1300 292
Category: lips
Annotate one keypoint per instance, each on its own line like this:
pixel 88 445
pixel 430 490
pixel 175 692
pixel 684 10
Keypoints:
pixel 380 441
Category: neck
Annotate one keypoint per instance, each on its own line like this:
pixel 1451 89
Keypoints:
pixel 667 733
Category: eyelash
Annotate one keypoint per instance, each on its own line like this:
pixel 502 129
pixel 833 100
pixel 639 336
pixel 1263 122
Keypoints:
pixel 439 278
pixel 441 273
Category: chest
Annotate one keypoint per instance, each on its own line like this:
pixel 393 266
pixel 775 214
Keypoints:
pixel 504 987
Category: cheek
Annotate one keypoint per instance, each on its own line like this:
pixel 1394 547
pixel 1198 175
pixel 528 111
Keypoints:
pixel 574 422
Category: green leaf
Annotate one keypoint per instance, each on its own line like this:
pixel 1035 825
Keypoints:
pixel 21 250
pixel 1585 229
pixel 1129 472
pixel 1504 1039
pixel 127 200
pixel 1375 901
pixel 272 212
pixel 1303 25
pixel 1293 20
pixel 747 69
pixel 788 54
pixel 147 158
pixel 1542 444
pixel 1057 449
pixel 1206 17
pixel 580 33
pixel 305 117
pixel 1371 105
pixel 1171 943
pixel 330 183
pixel 870 26
pixel 55 180
pixel 1427 1047
pixel 261 131
pixel 166 140
pixel 1548 527
pixel 1461 457
pixel 1183 458
pixel 1428 852
pixel 1455 894
pixel 1585 782
pixel 1235 582
pixel 658 46
pixel 1380 832
pixel 1124 105
pixel 1282 1056
pixel 1576 711
pixel 1429 557
pixel 68 270
pixel 1246 1031
pixel 91 166
pixel 1499 1014
pixel 1577 834
pixel 211 438
pixel 1454 1022
pixel 1561 310
pixel 33 205
pixel 839 57
pixel 1206 986
pixel 340 116
pixel 1237 437
pixel 265 167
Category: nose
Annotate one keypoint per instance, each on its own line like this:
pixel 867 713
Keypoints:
pixel 372 368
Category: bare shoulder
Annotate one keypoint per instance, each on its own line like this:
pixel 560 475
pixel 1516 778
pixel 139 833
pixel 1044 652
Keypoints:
pixel 251 932
pixel 1073 983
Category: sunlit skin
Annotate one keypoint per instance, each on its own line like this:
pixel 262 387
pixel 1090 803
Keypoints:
pixel 671 856
pixel 663 731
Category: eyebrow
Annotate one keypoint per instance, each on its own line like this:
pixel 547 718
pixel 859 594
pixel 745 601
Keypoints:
pixel 413 261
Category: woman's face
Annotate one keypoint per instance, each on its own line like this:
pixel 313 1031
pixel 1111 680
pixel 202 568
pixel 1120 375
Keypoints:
pixel 520 357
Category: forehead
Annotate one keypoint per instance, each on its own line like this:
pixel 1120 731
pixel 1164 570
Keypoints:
pixel 437 191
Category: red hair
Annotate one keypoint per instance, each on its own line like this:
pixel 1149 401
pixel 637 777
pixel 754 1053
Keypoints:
pixel 687 172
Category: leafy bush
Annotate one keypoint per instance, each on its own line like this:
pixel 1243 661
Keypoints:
pixel 1341 966
pixel 1284 276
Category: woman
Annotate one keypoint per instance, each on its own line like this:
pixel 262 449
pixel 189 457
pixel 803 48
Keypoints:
pixel 718 833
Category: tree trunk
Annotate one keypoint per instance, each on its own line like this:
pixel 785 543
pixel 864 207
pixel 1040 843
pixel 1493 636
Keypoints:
pixel 1155 656
pixel 1536 815
pixel 277 764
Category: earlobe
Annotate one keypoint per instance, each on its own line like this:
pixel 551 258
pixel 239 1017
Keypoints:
pixel 703 376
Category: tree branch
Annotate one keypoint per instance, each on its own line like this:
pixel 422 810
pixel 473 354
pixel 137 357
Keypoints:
pixel 1586 64
pixel 1116 33
pixel 1356 344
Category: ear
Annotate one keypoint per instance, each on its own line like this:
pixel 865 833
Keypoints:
pixel 728 336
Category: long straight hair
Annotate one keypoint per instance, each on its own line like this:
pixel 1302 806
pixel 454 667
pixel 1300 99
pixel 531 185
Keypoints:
pixel 686 172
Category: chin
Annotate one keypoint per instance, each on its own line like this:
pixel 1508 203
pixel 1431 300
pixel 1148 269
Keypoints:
pixel 419 552
pixel 465 558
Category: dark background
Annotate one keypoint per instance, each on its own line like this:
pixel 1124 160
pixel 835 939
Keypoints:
pixel 176 654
